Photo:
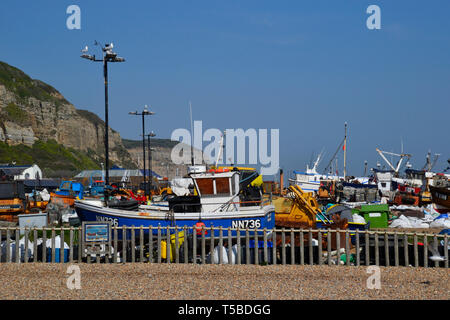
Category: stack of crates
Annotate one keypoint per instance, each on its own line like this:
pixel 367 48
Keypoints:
pixel 376 214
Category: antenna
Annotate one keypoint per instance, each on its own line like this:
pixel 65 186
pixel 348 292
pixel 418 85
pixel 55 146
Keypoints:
pixel 192 135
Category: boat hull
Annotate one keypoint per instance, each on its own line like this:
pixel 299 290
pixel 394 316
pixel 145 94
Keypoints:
pixel 260 219
pixel 440 197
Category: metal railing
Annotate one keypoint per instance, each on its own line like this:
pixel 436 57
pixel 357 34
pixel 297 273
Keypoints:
pixel 208 245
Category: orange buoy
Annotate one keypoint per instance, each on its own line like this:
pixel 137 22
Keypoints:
pixel 198 226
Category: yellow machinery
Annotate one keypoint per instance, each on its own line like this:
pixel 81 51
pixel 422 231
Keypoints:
pixel 172 246
pixel 298 210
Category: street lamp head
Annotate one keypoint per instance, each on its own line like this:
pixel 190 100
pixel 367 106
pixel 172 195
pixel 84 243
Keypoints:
pixel 133 112
pixel 88 56
pixel 152 134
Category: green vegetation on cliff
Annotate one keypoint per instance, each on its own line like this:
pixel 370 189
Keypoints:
pixel 54 159
pixel 24 87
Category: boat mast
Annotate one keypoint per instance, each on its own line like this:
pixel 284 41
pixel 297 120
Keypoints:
pixel 345 152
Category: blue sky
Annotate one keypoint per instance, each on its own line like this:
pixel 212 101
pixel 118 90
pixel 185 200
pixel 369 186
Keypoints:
pixel 304 67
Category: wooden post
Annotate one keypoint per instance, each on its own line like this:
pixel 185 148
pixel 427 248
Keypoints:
pixel 25 254
pixel 211 245
pixel 347 247
pixel 141 244
pixel 53 245
pixel 266 257
pixel 220 245
pixel 133 244
pixel 115 244
pixel 425 251
pixel 367 245
pixel 159 244
pixel 386 249
pixel 396 257
pixel 405 249
pixel 186 245
pixel 435 243
pixel 203 245
pixel 34 244
pixel 8 246
pixel 247 246
pixel 230 246
pixel 310 247
pixel 274 246
pixel 416 251
pixel 80 247
pixel 319 251
pixel 256 239
pixel 446 250
pixel 377 250
pixel 302 248
pixel 358 258
pixel 329 246
pixel 168 244
pixel 61 246
pixel 71 245
pixel 124 244
pixel 238 245
pixel 150 244
pixel 338 246
pixel 283 247
pixel 177 246
pixel 292 247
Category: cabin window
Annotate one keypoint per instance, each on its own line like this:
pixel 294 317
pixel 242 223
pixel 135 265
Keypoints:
pixel 206 186
pixel 383 184
pixel 223 186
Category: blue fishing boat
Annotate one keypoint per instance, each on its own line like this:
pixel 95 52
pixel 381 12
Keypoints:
pixel 218 202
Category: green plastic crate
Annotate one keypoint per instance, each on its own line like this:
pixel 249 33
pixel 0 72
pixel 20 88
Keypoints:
pixel 376 214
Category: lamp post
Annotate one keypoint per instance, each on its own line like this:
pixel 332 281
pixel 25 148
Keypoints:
pixel 108 56
pixel 144 113
pixel 150 174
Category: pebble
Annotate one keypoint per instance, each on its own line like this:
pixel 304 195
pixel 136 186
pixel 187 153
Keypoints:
pixel 220 282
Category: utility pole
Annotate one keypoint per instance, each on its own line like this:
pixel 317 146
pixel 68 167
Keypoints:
pixel 345 152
